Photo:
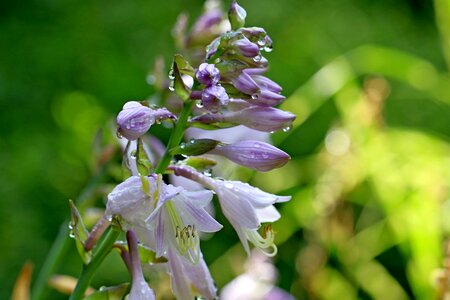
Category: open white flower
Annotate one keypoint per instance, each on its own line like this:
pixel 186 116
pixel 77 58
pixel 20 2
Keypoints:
pixel 245 206
pixel 168 220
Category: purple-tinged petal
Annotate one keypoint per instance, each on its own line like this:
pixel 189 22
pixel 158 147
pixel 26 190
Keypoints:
pixel 213 97
pixel 260 118
pixel 198 216
pixel 266 97
pixel 208 74
pixel 246 48
pixel 254 154
pixel 134 120
pixel 201 278
pixel 159 235
pixel 255 71
pixel 245 84
pixel 179 281
pixel 268 214
pixel 267 83
pixel 235 207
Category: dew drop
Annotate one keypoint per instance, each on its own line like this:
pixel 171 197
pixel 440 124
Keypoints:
pixel 268 48
pixel 257 58
pixel 218 60
pixel 286 129
pixel 118 134
pixel 229 185
pixel 256 145
pixel 71 235
pixel 183 145
pixel 171 88
pixel 273 131
pixel 133 155
pixel 255 96
pixel 171 75
pixel 261 42
pixel 199 104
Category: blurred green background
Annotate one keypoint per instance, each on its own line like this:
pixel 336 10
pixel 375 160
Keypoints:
pixel 370 173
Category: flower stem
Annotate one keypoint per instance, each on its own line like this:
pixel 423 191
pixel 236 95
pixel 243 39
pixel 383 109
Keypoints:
pixel 100 253
pixel 176 136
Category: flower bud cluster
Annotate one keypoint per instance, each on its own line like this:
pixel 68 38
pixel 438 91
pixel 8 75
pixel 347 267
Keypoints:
pixel 170 219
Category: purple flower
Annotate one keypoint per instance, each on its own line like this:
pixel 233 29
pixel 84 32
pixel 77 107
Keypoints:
pixel 134 120
pixel 245 84
pixel 208 74
pixel 261 118
pixel 213 97
pixel 265 82
pixel 254 154
pixel 245 206
pixel 169 220
pixel 246 48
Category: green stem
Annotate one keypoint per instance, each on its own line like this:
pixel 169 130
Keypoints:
pixel 102 250
pixel 175 137
pixel 62 243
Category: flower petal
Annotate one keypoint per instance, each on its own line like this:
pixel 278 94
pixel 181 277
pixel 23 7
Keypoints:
pixel 235 207
pixel 267 214
pixel 192 214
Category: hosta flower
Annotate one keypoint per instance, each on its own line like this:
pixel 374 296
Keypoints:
pixel 245 206
pixel 168 220
pixel 213 97
pixel 253 154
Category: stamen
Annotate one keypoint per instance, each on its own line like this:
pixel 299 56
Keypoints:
pixel 263 242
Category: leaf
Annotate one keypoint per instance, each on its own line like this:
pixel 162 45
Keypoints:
pixel 110 293
pixel 195 147
pixel 79 233
pixel 181 75
pixel 200 163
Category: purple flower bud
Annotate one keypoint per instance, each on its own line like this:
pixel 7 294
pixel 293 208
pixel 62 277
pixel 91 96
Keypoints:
pixel 237 104
pixel 266 98
pixel 134 120
pixel 236 15
pixel 256 155
pixel 261 118
pixel 246 48
pixel 162 114
pixel 245 84
pixel 265 82
pixel 212 48
pixel 214 97
pixel 208 74
pixel 255 71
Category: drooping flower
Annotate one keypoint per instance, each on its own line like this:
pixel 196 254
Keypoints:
pixel 245 206
pixel 253 154
pixel 168 220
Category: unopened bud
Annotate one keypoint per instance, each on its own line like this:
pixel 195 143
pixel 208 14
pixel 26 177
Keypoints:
pixel 246 48
pixel 266 98
pixel 236 15
pixel 134 120
pixel 245 84
pixel 261 118
pixel 267 83
pixel 254 154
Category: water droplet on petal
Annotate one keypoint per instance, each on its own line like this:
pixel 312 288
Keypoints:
pixel 257 58
pixel 255 96
pixel 261 42
pixel 229 185
pixel 199 104
pixel 268 49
